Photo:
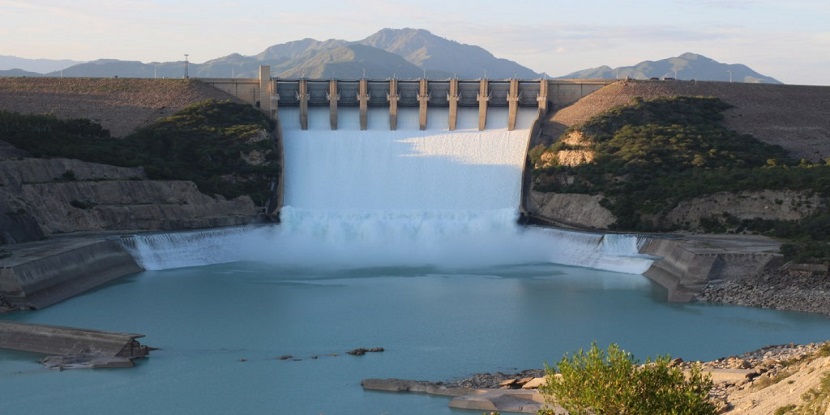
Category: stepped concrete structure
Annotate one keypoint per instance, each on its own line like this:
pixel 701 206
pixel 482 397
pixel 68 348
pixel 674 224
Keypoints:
pixel 270 94
pixel 71 348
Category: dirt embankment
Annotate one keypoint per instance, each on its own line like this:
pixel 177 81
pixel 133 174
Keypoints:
pixel 791 116
pixel 120 105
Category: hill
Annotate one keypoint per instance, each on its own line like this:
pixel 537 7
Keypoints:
pixel 686 66
pixel 436 54
pixel 119 105
pixel 35 65
pixel 17 72
pixel 658 156
pixel 785 115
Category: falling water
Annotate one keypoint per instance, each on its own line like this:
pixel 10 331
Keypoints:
pixel 439 198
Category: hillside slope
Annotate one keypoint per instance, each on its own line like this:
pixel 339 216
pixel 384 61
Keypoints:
pixel 786 115
pixel 119 105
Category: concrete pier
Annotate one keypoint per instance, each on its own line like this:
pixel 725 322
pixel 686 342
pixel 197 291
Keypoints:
pixel 452 98
pixel 423 100
pixel 78 347
pixel 483 97
pixel 302 97
pixel 512 104
pixel 333 96
pixel 265 91
pixel 542 97
pixel 363 98
pixel 393 96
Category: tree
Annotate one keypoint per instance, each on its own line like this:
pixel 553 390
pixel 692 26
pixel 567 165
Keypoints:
pixel 597 382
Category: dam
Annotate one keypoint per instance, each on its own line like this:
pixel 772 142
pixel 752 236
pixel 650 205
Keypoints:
pixel 400 238
pixel 271 95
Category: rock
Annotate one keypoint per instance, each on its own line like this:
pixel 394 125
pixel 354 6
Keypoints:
pixel 535 383
pixel 507 384
pixel 362 351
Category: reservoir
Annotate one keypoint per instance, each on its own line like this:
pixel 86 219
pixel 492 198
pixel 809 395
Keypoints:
pixel 403 240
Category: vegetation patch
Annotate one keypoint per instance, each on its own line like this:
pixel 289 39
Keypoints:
pixel 651 155
pixel 600 382
pixel 206 143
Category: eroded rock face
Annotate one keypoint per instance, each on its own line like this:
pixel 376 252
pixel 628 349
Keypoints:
pixel 766 204
pixel 40 197
pixel 577 209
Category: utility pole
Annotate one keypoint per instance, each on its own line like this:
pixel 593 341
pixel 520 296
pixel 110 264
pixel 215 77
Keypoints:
pixel 185 67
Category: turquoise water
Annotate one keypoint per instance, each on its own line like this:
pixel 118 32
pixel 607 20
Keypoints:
pixel 406 241
pixel 434 324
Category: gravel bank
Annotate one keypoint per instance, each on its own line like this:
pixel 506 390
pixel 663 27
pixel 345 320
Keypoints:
pixel 778 289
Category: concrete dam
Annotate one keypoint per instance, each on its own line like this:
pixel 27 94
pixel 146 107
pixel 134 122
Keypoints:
pixel 272 95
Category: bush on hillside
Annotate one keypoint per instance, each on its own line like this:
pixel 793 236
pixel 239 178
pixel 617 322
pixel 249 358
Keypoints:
pixel 612 382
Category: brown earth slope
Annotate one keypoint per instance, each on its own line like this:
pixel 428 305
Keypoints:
pixel 120 105
pixel 794 117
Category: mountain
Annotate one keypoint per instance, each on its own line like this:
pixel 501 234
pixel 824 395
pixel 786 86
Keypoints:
pixel 348 61
pixel 34 65
pixel 290 50
pixel 109 68
pixel 686 66
pixel 434 53
pixel 401 53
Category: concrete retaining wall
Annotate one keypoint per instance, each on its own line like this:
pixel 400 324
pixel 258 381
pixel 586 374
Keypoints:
pixel 42 274
pixel 686 265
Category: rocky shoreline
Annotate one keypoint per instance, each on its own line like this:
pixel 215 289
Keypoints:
pixel 743 384
pixel 768 361
pixel 804 288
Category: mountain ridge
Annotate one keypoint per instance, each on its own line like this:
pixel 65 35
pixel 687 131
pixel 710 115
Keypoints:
pixel 687 66
pixel 401 53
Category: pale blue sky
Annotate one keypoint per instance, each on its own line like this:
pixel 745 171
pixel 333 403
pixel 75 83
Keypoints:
pixel 788 40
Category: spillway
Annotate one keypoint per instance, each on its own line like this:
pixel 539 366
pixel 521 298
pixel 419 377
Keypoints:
pixel 411 198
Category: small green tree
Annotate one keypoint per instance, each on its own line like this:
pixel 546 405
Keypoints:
pixel 597 382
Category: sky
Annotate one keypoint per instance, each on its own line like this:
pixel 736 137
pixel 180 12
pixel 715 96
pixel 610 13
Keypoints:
pixel 786 39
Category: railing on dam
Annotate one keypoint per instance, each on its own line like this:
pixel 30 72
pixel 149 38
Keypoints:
pixel 269 94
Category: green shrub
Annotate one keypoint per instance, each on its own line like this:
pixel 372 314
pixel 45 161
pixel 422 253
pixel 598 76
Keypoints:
pixel 612 382
pixel 784 409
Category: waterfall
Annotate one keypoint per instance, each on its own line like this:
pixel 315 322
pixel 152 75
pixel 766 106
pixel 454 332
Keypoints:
pixel 377 198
